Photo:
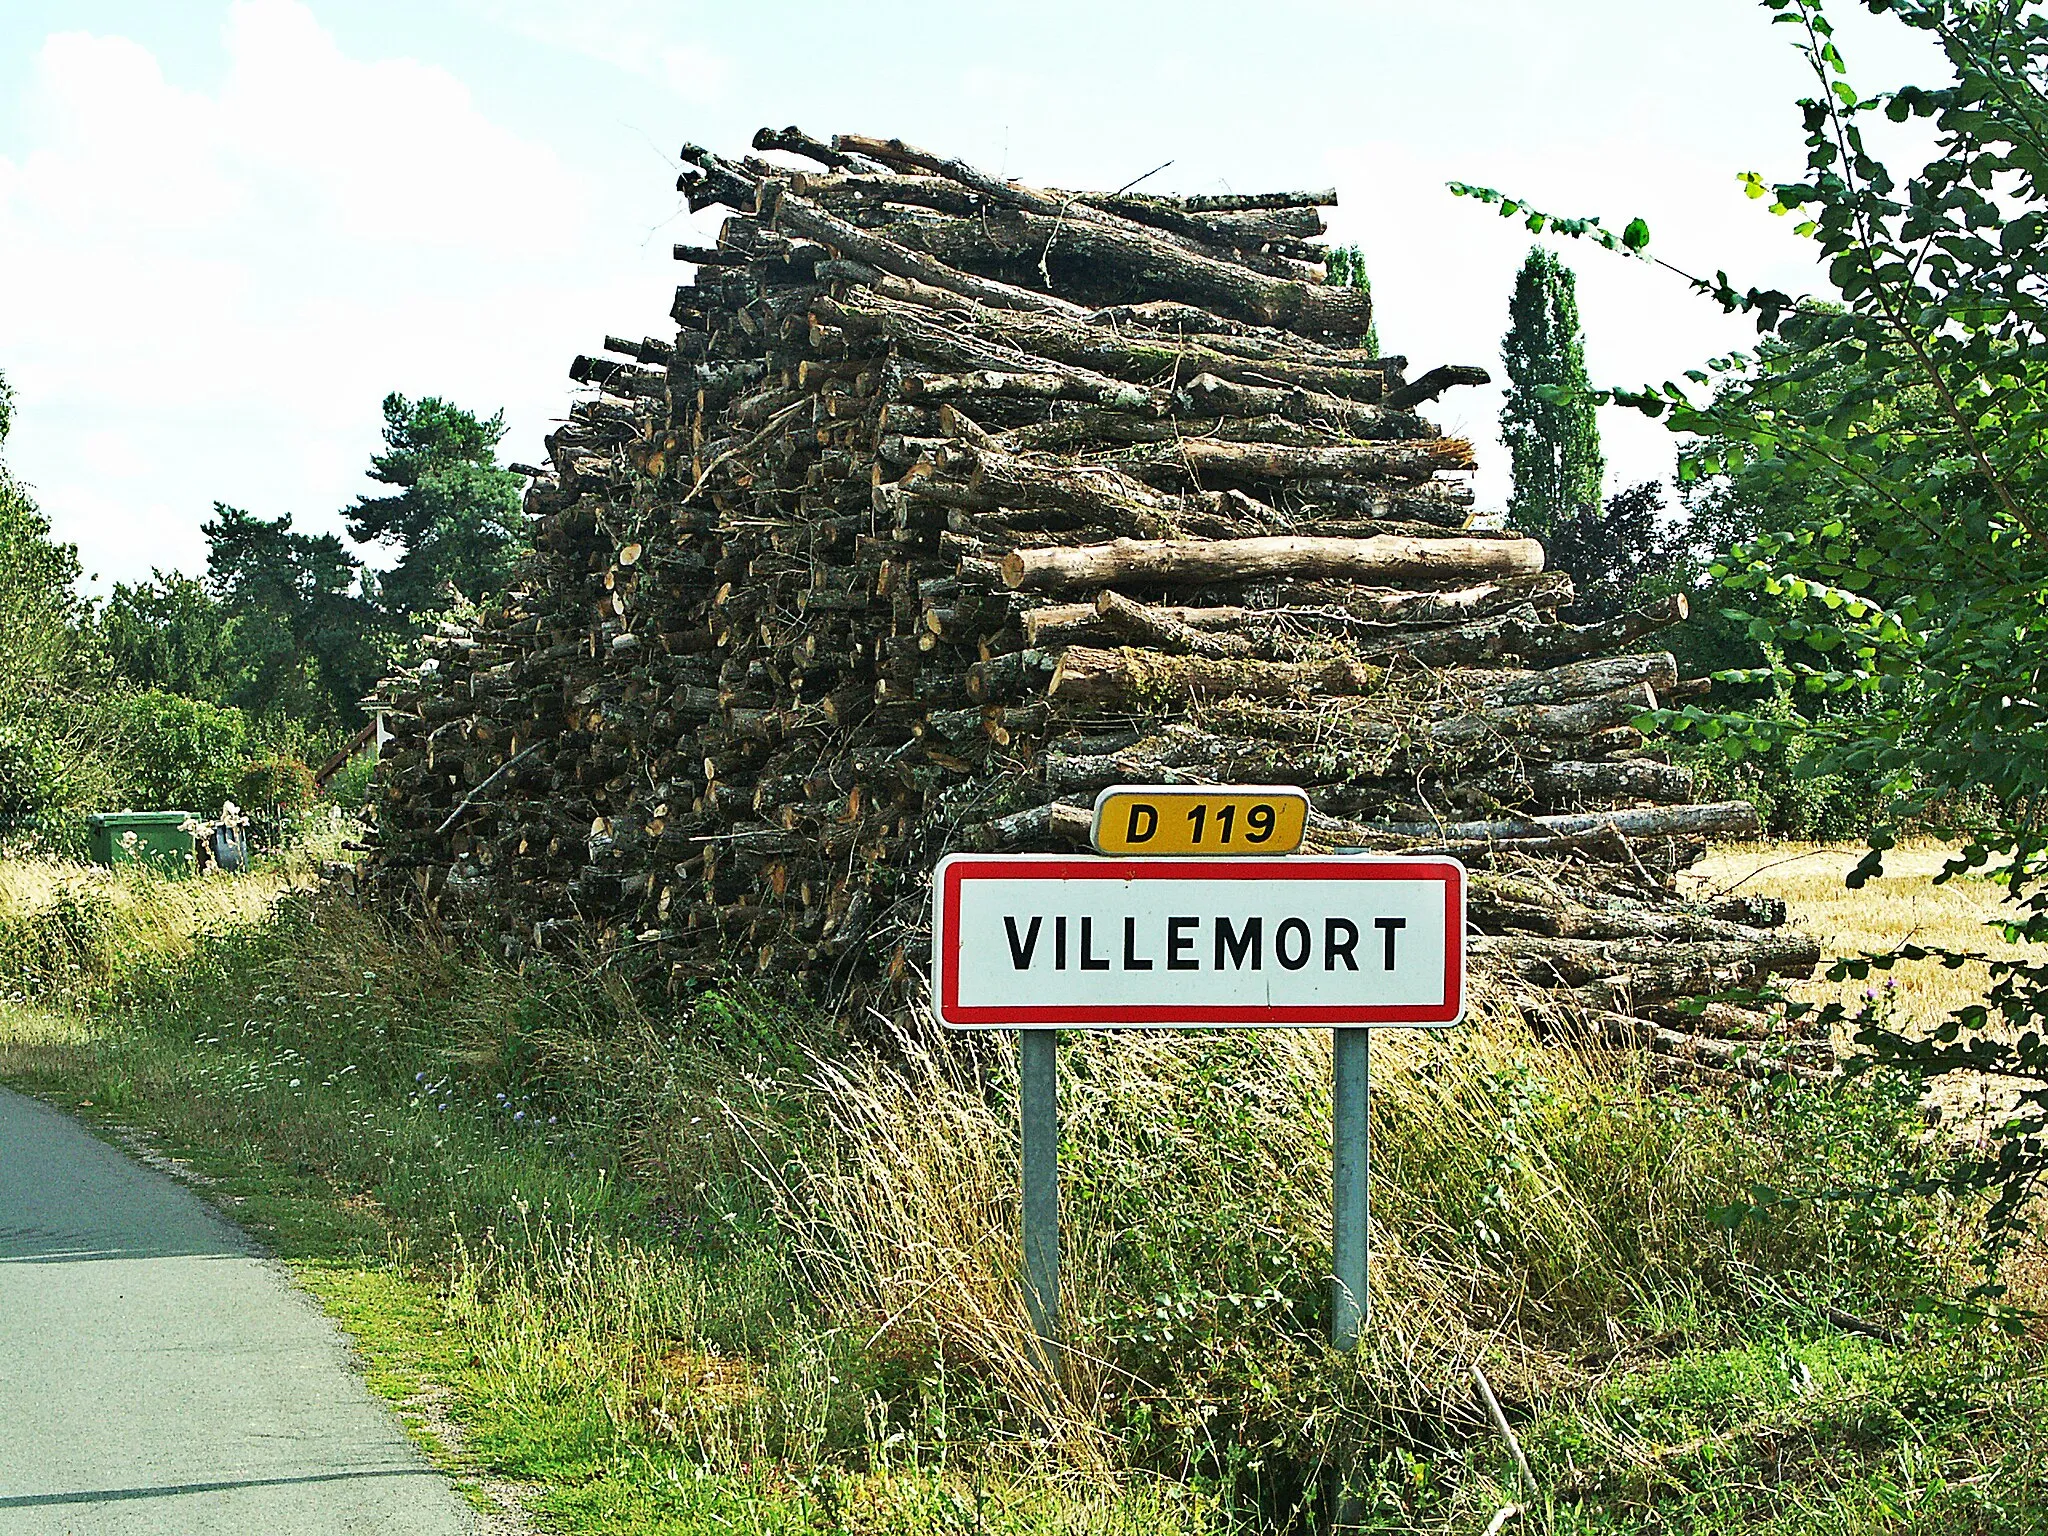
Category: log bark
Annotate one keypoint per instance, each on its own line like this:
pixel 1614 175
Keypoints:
pixel 1629 779
pixel 1208 395
pixel 1072 623
pixel 1576 962
pixel 1421 626
pixel 1725 819
pixel 1576 721
pixel 1136 356
pixel 1270 244
pixel 1086 675
pixel 938 388
pixel 1064 823
pixel 1499 903
pixel 796 142
pixel 1519 634
pixel 1235 463
pixel 1434 383
pixel 1228 202
pixel 1419 610
pixel 1242 228
pixel 1195 562
pixel 1087 491
pixel 785 207
pixel 1582 679
pixel 1142 625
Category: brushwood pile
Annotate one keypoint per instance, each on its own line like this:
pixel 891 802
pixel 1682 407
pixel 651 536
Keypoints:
pixel 950 500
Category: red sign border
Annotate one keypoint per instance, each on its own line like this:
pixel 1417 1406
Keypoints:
pixel 955 868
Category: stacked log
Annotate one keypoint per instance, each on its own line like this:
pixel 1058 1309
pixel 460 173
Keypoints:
pixel 952 500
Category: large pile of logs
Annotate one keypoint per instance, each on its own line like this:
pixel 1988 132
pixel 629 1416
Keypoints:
pixel 952 500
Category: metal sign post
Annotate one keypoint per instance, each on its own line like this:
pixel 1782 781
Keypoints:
pixel 1044 942
pixel 1350 1184
pixel 1039 1111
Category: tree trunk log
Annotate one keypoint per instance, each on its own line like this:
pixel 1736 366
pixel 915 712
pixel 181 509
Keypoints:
pixel 1065 823
pixel 936 388
pixel 1575 721
pixel 1137 356
pixel 1575 962
pixel 1085 675
pixel 1207 395
pixel 1728 818
pixel 1158 628
pixel 805 217
pixel 1256 463
pixel 1629 779
pixel 1582 679
pixel 1194 562
pixel 1434 383
pixel 1169 262
pixel 1072 623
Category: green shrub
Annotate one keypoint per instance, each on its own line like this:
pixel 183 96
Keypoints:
pixel 49 778
pixel 350 786
pixel 68 945
pixel 56 835
pixel 277 784
pixel 278 735
pixel 42 771
pixel 28 774
pixel 174 752
pixel 1792 799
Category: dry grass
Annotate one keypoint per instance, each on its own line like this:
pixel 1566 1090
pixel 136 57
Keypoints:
pixel 1525 1199
pixel 69 929
pixel 28 887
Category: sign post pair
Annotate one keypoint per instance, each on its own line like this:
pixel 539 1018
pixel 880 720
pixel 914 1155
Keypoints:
pixel 1195 917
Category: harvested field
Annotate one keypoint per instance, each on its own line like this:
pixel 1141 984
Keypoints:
pixel 1903 906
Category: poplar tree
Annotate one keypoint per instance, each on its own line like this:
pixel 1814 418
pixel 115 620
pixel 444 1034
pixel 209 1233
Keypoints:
pixel 1345 266
pixel 1548 419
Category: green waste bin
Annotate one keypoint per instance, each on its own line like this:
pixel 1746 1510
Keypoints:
pixel 156 838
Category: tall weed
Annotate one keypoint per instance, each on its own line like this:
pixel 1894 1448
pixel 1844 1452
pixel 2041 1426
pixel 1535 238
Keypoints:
pixel 1530 1203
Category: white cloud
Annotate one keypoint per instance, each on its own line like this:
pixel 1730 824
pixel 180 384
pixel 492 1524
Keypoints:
pixel 641 37
pixel 219 285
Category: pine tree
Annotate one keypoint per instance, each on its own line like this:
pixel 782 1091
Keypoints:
pixel 1345 266
pixel 302 638
pixel 1548 419
pixel 454 514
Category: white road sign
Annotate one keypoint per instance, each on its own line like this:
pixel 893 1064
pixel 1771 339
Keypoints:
pixel 1048 941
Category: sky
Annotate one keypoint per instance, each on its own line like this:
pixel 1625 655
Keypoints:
pixel 228 228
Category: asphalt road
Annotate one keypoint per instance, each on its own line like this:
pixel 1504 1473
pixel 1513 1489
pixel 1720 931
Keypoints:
pixel 158 1376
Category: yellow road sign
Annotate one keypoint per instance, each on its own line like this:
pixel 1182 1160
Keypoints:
pixel 1199 819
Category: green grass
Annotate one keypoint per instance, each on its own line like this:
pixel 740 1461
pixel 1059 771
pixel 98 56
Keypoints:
pixel 711 1267
pixel 1796 1435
